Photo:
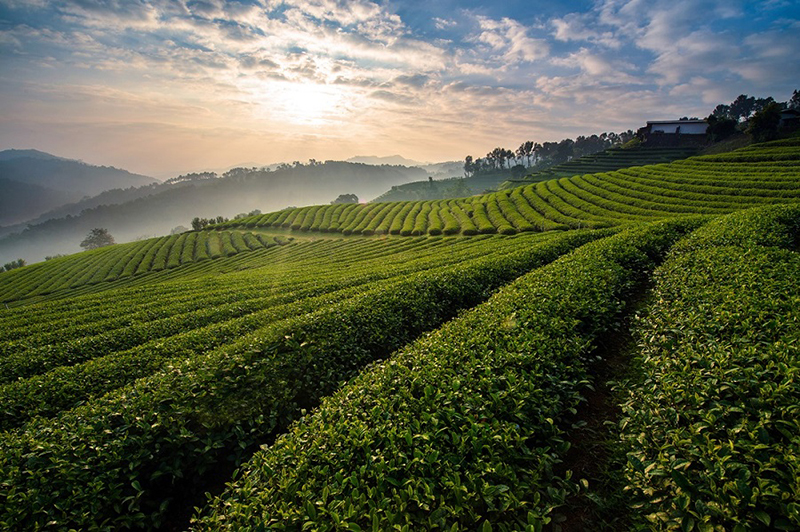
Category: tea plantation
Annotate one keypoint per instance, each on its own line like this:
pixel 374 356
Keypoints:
pixel 424 365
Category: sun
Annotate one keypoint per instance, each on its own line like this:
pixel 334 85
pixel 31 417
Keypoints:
pixel 306 103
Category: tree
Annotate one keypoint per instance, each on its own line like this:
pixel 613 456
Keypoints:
pixel 469 166
pixel 720 127
pixel 345 198
pixel 97 238
pixel 199 224
pixel 13 265
pixel 764 124
pixel 794 102
pixel 742 107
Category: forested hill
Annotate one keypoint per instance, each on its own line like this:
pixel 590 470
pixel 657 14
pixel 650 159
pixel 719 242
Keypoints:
pixel 165 206
pixel 57 181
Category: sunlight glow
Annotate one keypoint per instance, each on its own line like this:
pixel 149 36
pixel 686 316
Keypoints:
pixel 306 104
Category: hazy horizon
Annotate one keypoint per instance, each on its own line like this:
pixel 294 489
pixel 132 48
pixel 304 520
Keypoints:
pixel 166 87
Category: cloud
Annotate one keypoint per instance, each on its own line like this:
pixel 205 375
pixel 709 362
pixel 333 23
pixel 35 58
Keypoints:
pixel 584 28
pixel 365 75
pixel 599 67
pixel 510 40
pixel 443 23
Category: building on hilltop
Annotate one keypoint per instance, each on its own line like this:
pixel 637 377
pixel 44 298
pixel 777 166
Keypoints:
pixel 673 133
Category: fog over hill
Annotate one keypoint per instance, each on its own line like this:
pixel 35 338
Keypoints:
pixel 33 182
pixel 157 209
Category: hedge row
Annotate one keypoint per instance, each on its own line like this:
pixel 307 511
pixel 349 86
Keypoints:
pixel 713 431
pixel 700 185
pixel 117 461
pixel 93 366
pixel 122 260
pixel 462 430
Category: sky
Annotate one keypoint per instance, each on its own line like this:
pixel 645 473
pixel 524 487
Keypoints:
pixel 164 87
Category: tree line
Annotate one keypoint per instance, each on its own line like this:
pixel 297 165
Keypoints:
pixel 759 117
pixel 532 154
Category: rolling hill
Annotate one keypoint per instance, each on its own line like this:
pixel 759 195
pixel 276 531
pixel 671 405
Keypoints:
pixel 34 182
pixel 421 365
pixel 712 184
pixel 156 210
pixel 605 161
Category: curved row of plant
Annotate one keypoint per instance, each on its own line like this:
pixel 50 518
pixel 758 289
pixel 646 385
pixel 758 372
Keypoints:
pixel 605 161
pixel 119 460
pixel 701 185
pixel 125 260
pixel 41 380
pixel 462 430
pixel 713 431
pixel 304 269
pixel 297 254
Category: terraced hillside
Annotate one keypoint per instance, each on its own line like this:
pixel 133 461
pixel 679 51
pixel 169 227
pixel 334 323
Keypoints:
pixel 713 184
pixel 351 383
pixel 118 263
pixel 605 161
pixel 470 428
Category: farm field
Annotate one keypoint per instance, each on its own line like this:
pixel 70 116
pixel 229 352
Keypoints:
pixel 605 161
pixel 711 184
pixel 424 365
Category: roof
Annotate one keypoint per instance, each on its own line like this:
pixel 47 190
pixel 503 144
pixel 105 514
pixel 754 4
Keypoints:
pixel 676 122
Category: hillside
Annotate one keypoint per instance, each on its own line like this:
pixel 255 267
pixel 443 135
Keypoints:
pixel 18 200
pixel 493 379
pixel 605 161
pixel 59 180
pixel 712 184
pixel 156 210
pixel 444 188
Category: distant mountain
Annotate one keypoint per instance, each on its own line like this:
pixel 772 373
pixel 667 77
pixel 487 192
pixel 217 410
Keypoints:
pixel 156 209
pixel 38 182
pixel 8 155
pixel 18 200
pixel 445 170
pixel 392 160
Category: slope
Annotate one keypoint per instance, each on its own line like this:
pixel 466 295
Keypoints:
pixel 713 184
pixel 717 184
pixel 166 206
pixel 605 161
pixel 152 388
pixel 71 179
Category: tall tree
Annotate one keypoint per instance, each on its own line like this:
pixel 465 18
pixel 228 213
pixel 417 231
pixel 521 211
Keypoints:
pixel 764 124
pixel 345 198
pixel 742 107
pixel 794 102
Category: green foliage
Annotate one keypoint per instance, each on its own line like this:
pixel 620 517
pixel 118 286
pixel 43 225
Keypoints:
pixel 345 198
pixel 120 261
pixel 97 238
pixel 461 430
pixel 118 391
pixel 585 193
pixel 712 431
pixel 170 427
pixel 720 128
pixel 198 224
pixel 763 126
pixel 13 265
